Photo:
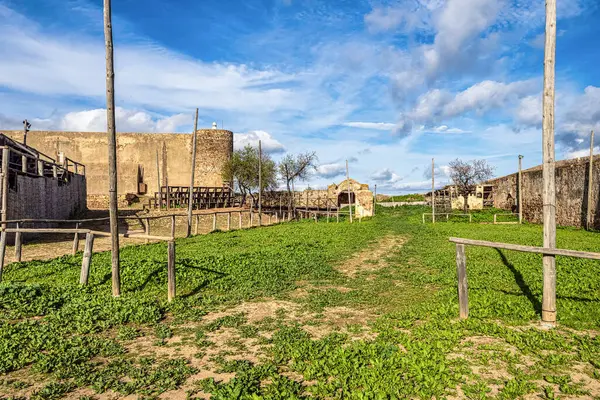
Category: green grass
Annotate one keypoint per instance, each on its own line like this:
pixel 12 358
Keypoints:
pixel 67 336
pixel 406 197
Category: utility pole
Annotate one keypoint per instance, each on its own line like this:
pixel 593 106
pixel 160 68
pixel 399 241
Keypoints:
pixel 191 194
pixel 112 149
pixel 432 190
pixel 520 190
pixel 549 193
pixel 259 183
pixel 590 217
pixel 26 126
pixel 348 185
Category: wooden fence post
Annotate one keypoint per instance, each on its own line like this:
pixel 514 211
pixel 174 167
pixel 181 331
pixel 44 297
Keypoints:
pixel 147 228
pixel 590 216
pixel 337 215
pixel 229 220
pixel 251 219
pixel 171 271
pixel 197 223
pixel 240 220
pixel 2 251
pixel 270 219
pixel 87 258
pixel 316 220
pixel 214 222
pixel 76 240
pixel 173 226
pixel 18 244
pixel 461 271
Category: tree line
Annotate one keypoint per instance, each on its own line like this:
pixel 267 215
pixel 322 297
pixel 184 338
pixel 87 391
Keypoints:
pixel 242 171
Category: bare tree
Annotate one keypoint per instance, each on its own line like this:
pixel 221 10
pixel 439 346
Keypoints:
pixel 466 175
pixel 243 171
pixel 293 168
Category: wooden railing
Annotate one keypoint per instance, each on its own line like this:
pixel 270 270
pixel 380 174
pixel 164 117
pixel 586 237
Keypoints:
pixel 448 215
pixel 43 166
pixel 266 218
pixel 461 262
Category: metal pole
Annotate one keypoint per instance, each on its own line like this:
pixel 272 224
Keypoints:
pixel 112 149
pixel 348 186
pixel 548 193
pixel 520 191
pixel 191 193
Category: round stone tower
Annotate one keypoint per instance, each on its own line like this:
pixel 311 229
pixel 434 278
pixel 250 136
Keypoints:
pixel 213 148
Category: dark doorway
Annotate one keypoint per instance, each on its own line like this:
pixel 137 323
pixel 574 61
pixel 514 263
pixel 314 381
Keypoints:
pixel 343 198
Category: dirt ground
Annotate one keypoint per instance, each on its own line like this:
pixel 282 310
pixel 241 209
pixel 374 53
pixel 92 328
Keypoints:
pixel 47 246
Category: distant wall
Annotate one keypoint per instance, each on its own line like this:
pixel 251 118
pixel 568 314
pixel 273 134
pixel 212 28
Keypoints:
pixel 137 154
pixel 46 198
pixel 571 192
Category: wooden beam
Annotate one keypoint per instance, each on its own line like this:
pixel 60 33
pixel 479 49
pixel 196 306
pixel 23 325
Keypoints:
pixel 18 245
pixel 348 187
pixel 590 187
pixel 259 183
pixel 461 272
pixel 87 259
pixel 112 149
pixel 191 193
pixel 433 190
pixel 75 240
pixel 528 249
pixel 171 271
pixel 549 192
pixel 519 192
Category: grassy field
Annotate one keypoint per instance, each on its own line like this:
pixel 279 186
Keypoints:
pixel 407 197
pixel 305 310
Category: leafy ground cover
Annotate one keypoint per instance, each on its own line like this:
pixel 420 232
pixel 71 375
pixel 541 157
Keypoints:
pixel 305 310
pixel 406 197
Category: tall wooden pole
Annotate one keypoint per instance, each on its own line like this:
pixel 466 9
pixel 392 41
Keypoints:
pixel 548 193
pixel 374 199
pixel 520 190
pixel 191 194
pixel 348 186
pixel 158 181
pixel 433 190
pixel 112 149
pixel 590 216
pixel 259 183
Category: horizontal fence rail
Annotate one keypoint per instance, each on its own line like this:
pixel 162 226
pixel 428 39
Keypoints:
pixel 461 262
pixel 448 214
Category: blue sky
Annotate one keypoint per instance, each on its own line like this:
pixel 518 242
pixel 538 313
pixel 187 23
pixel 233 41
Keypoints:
pixel 385 84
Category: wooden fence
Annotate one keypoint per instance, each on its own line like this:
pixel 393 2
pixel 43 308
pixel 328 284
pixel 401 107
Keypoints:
pixel 448 216
pixel 267 218
pixel 461 262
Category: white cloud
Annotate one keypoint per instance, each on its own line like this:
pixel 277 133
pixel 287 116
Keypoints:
pixel 529 111
pixel 95 121
pixel 386 176
pixel 488 95
pixel 331 170
pixel 382 126
pixel 268 143
pixel 408 16
pixel 581 153
pixel 446 129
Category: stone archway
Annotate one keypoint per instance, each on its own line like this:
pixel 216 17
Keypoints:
pixel 342 198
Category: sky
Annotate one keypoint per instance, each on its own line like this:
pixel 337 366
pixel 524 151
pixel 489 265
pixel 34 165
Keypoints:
pixel 387 85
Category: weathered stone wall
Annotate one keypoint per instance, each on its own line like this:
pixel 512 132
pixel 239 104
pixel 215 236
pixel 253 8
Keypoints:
pixel 44 198
pixel 138 151
pixel 571 192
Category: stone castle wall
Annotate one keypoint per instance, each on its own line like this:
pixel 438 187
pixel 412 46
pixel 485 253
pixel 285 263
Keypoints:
pixel 137 155
pixel 571 192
